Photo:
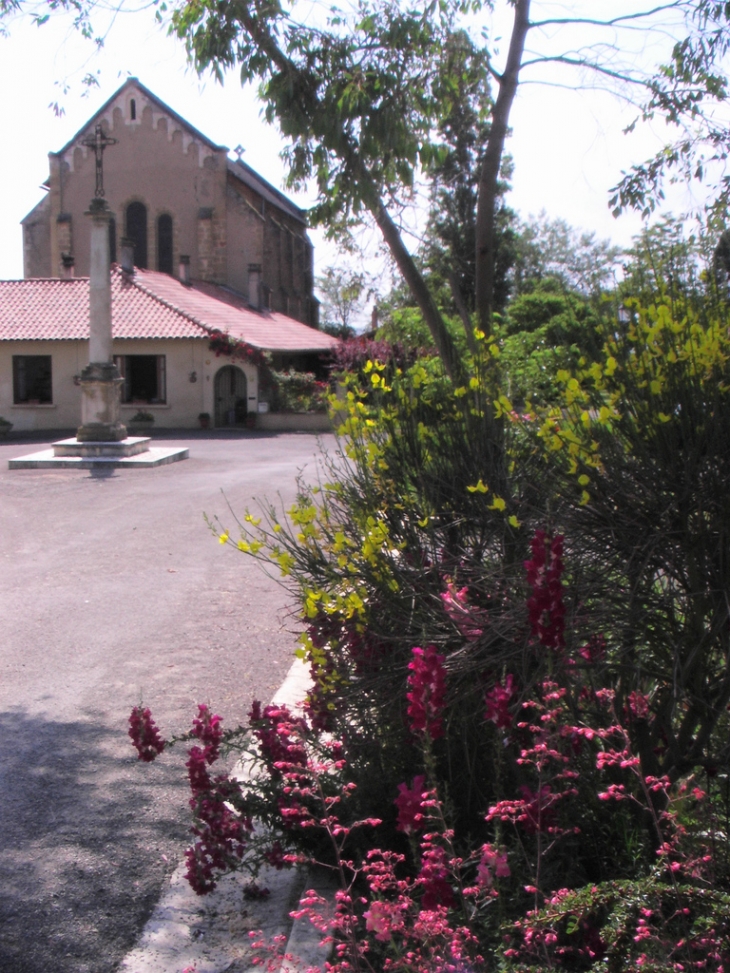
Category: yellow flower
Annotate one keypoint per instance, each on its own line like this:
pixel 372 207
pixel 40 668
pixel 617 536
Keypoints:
pixel 479 488
pixel 514 522
pixel 497 504
pixel 223 538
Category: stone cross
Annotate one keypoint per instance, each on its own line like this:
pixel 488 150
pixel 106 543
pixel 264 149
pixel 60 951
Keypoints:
pixel 98 142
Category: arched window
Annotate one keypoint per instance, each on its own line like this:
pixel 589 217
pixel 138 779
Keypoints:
pixel 164 243
pixel 112 240
pixel 133 109
pixel 137 232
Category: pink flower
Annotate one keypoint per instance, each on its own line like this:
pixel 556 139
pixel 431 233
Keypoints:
pixel 594 650
pixel 456 604
pixel 638 705
pixel 498 700
pixel 427 685
pixel 408 802
pixel 144 734
pixel 493 862
pixel 383 918
pixel 545 606
pixel 280 734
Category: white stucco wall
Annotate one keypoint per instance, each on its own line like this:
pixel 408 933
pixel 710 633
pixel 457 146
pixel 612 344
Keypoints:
pixel 185 399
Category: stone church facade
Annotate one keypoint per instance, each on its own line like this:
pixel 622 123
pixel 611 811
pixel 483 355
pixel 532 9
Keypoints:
pixel 186 207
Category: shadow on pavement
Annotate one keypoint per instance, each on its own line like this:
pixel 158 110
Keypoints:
pixel 74 890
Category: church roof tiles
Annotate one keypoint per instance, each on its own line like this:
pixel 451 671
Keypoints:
pixel 148 305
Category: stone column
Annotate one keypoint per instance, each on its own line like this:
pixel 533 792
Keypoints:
pixel 100 380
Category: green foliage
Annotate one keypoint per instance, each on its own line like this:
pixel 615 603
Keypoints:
pixel 544 331
pixel 686 90
pixel 663 258
pixel 406 325
pixel 293 391
pixel 642 438
pixel 355 95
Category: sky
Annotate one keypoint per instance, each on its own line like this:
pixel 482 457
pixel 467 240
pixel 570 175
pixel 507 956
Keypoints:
pixel 567 141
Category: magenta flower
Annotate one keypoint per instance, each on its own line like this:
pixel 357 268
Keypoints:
pixel 408 802
pixel 545 606
pixel 208 729
pixel 144 734
pixel 281 736
pixel 434 879
pixel 426 698
pixel 498 701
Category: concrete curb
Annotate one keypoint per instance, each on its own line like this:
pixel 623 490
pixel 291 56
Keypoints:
pixel 188 933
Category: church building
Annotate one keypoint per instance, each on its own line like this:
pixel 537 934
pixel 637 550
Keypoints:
pixel 203 250
pixel 174 194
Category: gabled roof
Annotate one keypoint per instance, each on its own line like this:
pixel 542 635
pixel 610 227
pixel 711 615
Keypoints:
pixel 240 170
pixel 136 83
pixel 148 305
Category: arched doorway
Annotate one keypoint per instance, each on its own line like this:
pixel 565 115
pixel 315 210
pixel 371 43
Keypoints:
pixel 231 397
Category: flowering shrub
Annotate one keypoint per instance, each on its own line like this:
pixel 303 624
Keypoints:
pixel 439 902
pixel 235 348
pixel 542 784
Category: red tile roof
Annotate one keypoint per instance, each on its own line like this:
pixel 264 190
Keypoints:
pixel 149 305
pixel 219 308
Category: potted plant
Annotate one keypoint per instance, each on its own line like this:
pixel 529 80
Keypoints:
pixel 204 420
pixel 141 421
pixel 5 427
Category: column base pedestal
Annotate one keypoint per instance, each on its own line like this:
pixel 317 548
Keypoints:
pixel 101 432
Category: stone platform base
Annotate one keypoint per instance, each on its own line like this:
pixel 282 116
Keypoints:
pixel 130 446
pixel 70 454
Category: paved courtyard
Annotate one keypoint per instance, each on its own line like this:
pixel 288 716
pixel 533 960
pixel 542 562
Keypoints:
pixel 114 591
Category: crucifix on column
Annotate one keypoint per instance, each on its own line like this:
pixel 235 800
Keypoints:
pixel 100 380
pixel 98 142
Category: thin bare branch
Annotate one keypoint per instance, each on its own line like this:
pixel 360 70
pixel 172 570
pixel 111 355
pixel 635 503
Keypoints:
pixel 614 21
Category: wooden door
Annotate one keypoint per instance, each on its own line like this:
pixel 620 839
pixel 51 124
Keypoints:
pixel 231 397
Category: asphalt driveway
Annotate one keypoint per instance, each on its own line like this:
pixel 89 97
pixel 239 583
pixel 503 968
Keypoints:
pixel 113 591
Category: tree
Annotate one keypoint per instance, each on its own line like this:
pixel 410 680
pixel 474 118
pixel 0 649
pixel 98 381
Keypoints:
pixel 684 93
pixel 450 245
pixel 358 93
pixel 358 97
pixel 342 299
pixel 552 249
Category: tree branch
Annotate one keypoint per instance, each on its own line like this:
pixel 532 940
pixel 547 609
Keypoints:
pixel 613 22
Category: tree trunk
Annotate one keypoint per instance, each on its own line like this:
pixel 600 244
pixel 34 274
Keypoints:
pixel 421 294
pixel 485 249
